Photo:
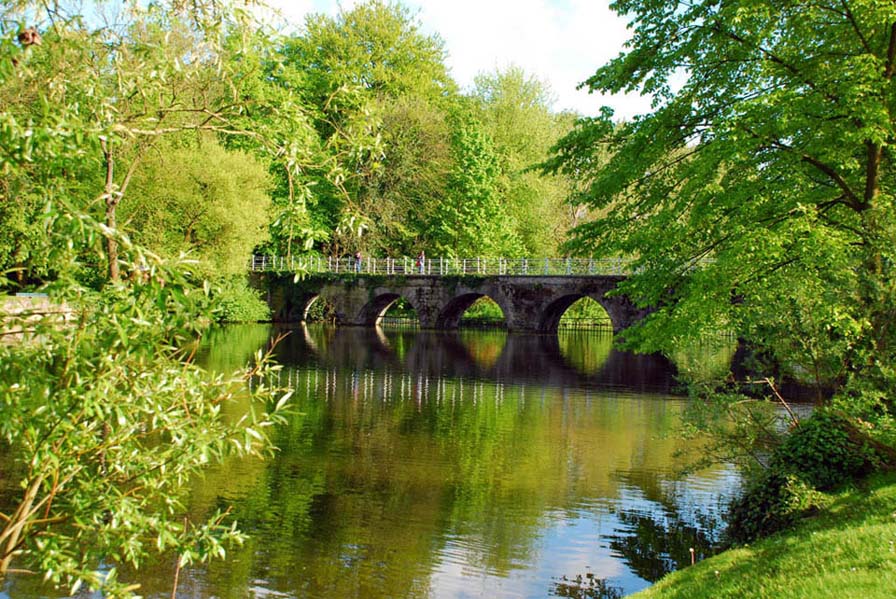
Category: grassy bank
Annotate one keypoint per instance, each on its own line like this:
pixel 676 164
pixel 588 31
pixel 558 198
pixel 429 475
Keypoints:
pixel 849 550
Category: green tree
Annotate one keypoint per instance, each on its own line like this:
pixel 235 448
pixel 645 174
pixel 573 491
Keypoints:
pixel 758 195
pixel 102 413
pixel 132 81
pixel 378 92
pixel 471 220
pixel 200 199
pixel 515 110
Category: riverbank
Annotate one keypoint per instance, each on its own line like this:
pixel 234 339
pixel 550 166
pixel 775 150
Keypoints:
pixel 849 550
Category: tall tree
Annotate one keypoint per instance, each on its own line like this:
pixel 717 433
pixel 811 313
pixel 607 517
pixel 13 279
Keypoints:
pixel 758 196
pixel 372 78
pixel 515 109
pixel 471 220
pixel 103 417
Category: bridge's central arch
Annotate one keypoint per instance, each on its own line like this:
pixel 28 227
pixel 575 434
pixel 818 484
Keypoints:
pixel 554 312
pixel 451 314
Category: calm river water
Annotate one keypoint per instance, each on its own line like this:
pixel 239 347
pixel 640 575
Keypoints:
pixel 472 464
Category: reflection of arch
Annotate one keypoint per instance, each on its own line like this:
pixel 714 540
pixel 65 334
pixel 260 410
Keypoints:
pixel 450 315
pixel 484 347
pixel 584 351
pixel 348 345
pixel 550 317
pixel 373 311
pixel 308 339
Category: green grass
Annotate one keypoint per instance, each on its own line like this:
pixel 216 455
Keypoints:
pixel 847 551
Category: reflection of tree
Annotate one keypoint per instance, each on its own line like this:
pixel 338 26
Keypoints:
pixel 585 351
pixel 225 349
pixel 585 587
pixel 653 546
pixel 399 447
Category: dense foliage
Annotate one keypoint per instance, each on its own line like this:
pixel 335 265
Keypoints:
pixel 365 137
pixel 394 138
pixel 104 418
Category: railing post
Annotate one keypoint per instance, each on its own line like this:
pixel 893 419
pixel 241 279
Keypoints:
pixel 465 266
pixel 525 266
pixel 478 266
pixel 568 266
pixel 546 267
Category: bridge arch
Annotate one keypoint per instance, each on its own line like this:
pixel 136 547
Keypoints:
pixel 451 313
pixel 300 312
pixel 373 311
pixel 296 309
pixel 554 311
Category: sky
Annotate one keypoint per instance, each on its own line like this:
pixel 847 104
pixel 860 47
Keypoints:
pixel 562 42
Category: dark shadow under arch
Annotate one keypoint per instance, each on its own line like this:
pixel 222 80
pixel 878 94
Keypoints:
pixel 295 309
pixel 550 317
pixel 318 307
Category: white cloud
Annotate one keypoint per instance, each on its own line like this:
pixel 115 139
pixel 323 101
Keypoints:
pixel 560 41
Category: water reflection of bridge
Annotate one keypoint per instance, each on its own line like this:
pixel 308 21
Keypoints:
pixel 549 360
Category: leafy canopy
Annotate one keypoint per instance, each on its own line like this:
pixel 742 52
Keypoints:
pixel 758 195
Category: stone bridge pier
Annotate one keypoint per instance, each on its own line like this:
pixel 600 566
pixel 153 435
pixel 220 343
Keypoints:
pixel 529 303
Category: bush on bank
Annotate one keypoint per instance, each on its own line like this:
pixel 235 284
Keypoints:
pixel 236 301
pixel 821 453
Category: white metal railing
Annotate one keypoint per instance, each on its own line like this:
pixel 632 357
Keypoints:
pixel 444 266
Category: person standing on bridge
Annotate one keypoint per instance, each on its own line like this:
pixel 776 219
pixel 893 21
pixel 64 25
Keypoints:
pixel 421 262
pixel 358 258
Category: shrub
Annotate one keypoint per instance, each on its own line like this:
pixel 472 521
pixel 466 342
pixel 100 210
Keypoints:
pixel 772 503
pixel 235 301
pixel 825 452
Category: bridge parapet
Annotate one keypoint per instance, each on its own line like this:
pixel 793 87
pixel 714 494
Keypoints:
pixel 480 266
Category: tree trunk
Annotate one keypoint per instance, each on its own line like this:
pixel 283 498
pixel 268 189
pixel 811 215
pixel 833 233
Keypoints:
pixel 111 205
pixel 15 527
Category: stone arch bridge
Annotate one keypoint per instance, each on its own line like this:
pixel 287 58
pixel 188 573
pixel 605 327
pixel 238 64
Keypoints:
pixel 531 303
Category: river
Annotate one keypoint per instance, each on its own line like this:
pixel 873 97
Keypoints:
pixel 469 464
